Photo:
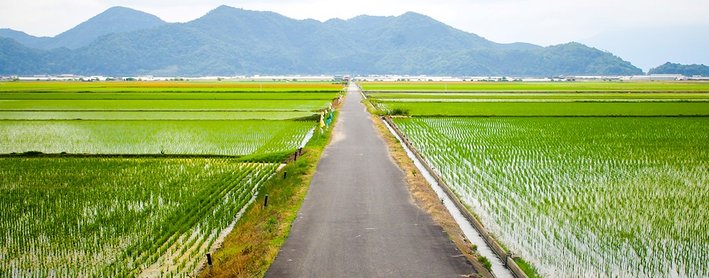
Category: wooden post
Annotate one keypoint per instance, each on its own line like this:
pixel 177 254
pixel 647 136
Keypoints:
pixel 265 201
pixel 209 259
pixel 285 174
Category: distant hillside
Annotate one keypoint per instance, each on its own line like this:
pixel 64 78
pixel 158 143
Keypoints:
pixel 649 46
pixel 686 70
pixel 25 39
pixel 229 41
pixel 111 21
pixel 18 59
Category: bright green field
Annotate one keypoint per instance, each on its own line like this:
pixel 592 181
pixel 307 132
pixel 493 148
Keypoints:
pixel 152 115
pixel 539 86
pixel 703 96
pixel 156 105
pixel 620 196
pixel 113 217
pixel 97 216
pixel 159 117
pixel 600 197
pixel 549 108
pixel 161 86
pixel 550 103
pixel 153 137
pixel 171 96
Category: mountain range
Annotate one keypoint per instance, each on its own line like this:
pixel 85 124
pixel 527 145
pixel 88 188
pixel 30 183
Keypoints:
pixel 686 70
pixel 231 41
pixel 113 20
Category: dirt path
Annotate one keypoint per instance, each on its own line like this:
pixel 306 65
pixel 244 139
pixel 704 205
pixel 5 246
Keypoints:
pixel 358 219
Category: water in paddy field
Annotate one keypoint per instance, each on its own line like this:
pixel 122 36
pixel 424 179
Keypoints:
pixel 307 138
pixel 498 267
pixel 575 200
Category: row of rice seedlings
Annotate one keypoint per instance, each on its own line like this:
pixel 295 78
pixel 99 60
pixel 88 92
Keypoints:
pixel 147 105
pixel 195 243
pixel 595 196
pixel 152 137
pixel 116 217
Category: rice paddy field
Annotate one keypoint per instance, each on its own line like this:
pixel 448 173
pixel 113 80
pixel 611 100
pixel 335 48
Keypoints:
pixel 601 87
pixel 542 108
pixel 168 86
pixel 207 137
pixel 621 194
pixel 159 118
pixel 561 99
pixel 138 178
pixel 153 115
pixel 114 217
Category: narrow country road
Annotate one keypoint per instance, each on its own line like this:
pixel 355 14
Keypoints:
pixel 358 218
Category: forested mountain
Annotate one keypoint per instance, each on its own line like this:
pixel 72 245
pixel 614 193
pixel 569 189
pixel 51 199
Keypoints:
pixel 112 21
pixel 686 70
pixel 229 41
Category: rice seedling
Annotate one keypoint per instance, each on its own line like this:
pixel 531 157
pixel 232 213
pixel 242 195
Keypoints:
pixel 598 197
pixel 117 216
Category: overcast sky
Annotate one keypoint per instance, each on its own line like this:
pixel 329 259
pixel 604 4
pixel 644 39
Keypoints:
pixel 543 22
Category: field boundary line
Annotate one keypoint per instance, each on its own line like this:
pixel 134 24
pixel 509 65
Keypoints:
pixel 536 100
pixel 219 242
pixel 362 91
pixel 157 110
pixel 537 91
pixel 484 233
pixel 86 155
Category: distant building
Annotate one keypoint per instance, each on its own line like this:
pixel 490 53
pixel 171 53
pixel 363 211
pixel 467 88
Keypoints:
pixel 534 79
pixel 597 78
pixel 656 77
pixel 698 78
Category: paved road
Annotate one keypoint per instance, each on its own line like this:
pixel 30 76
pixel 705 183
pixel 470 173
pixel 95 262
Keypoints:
pixel 358 219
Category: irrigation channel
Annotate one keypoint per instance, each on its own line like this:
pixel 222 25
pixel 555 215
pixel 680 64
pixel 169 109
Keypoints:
pixel 498 267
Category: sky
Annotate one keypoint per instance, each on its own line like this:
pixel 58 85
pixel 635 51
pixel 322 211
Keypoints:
pixel 542 22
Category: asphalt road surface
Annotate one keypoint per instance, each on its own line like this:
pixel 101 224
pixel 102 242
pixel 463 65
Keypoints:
pixel 358 218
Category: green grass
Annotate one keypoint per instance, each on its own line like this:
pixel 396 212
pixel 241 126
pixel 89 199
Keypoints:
pixel 603 196
pixel 549 108
pixel 539 86
pixel 258 236
pixel 113 217
pixel 152 115
pixel 528 269
pixel 153 137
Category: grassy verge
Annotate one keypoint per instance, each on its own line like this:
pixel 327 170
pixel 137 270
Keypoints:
pixel 528 268
pixel 427 199
pixel 254 243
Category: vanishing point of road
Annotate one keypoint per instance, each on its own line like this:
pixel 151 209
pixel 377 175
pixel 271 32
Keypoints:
pixel 359 219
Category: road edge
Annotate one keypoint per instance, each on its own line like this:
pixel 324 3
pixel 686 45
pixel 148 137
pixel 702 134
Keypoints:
pixel 254 243
pixel 425 198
